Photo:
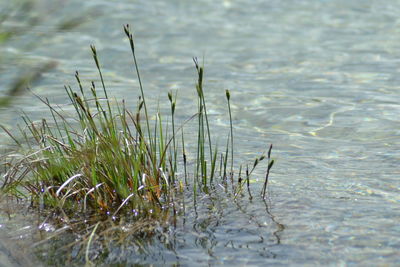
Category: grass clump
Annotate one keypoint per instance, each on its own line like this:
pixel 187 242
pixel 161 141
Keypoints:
pixel 114 160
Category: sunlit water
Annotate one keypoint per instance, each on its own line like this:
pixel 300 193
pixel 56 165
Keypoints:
pixel 318 79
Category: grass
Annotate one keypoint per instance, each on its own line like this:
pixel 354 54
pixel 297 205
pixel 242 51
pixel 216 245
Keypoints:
pixel 115 161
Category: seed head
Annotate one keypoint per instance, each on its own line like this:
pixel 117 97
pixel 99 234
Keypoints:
pixel 228 94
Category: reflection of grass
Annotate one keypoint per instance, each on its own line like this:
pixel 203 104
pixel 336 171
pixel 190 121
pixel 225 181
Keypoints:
pixel 115 161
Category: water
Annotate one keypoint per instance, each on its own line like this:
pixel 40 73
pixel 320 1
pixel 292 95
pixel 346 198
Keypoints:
pixel 318 79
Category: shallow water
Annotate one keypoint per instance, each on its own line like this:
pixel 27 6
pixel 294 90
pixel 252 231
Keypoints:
pixel 318 79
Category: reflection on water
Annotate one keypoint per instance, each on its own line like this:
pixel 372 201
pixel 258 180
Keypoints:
pixel 211 230
pixel 319 79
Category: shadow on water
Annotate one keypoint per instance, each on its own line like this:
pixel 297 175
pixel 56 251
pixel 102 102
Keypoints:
pixel 207 229
pixel 214 230
pixel 280 226
pixel 254 218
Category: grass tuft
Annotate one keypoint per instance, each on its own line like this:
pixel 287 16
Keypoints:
pixel 112 161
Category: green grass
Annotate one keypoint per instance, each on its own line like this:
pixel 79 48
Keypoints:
pixel 115 160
